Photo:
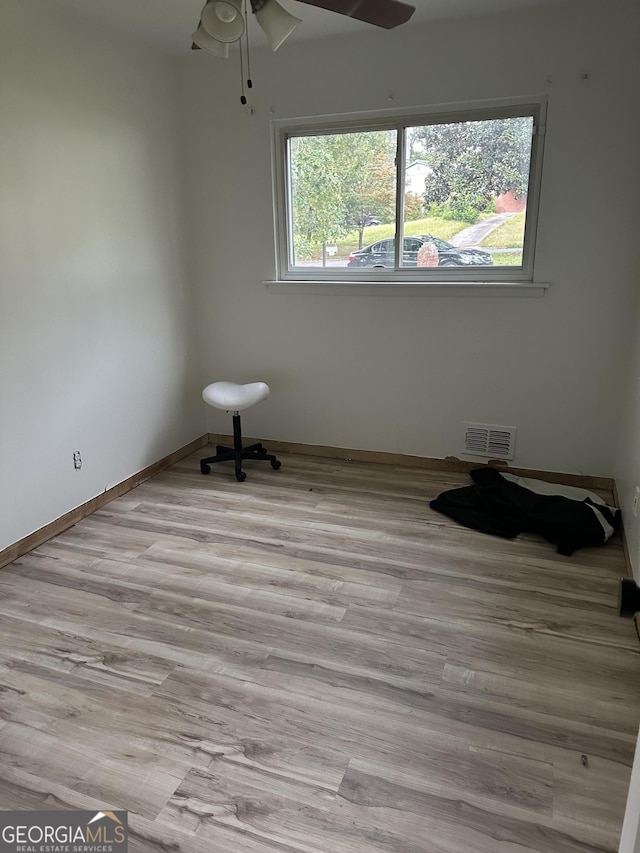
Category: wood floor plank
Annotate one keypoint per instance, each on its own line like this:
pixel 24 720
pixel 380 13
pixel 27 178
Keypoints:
pixel 357 730
pixel 558 699
pixel 373 796
pixel 313 661
pixel 597 671
pixel 552 720
pixel 307 578
pixel 26 791
pixel 63 652
pixel 210 587
pixel 577 781
pixel 141 781
pixel 532 610
pixel 87 615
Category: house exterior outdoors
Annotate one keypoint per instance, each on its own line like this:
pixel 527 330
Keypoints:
pixel 415 174
pixel 510 203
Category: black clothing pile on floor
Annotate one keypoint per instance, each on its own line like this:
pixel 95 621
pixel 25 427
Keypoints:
pixel 506 505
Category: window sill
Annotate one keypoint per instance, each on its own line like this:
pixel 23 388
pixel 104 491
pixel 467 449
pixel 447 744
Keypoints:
pixel 453 288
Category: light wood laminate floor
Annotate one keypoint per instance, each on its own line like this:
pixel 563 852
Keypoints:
pixel 313 661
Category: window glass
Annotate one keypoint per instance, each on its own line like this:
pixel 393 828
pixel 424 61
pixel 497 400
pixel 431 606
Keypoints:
pixel 473 175
pixel 343 186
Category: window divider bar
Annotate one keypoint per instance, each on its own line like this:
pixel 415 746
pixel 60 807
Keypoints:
pixel 400 179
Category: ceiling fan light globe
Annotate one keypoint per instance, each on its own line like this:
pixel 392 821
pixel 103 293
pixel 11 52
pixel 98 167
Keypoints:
pixel 225 12
pixel 276 22
pixel 203 40
pixel 223 20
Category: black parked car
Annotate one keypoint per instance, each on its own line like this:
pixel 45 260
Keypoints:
pixel 381 254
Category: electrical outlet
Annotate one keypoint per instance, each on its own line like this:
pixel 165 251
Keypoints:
pixel 77 460
pixel 636 501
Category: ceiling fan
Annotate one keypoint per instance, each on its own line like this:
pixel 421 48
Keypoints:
pixel 222 21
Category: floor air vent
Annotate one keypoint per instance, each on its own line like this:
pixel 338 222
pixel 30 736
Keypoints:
pixel 494 442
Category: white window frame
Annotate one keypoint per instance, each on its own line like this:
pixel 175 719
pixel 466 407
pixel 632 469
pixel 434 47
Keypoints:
pixel 503 278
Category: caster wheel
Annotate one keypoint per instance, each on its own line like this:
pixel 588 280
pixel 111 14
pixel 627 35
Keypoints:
pixel 240 476
pixel 275 464
pixel 204 468
pixel 261 449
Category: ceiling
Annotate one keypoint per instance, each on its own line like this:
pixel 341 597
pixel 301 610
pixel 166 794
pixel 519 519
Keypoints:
pixel 168 24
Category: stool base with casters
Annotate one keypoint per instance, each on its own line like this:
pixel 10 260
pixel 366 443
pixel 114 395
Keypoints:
pixel 232 397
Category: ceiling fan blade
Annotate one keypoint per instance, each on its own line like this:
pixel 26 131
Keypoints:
pixel 380 13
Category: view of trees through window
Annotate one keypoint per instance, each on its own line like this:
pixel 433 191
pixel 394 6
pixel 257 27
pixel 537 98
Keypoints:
pixel 464 196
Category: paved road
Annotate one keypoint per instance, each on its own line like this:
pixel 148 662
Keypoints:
pixel 474 234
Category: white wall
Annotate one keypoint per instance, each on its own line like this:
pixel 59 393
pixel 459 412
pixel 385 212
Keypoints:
pixel 96 350
pixel 627 475
pixel 630 835
pixel 402 374
pixel 628 462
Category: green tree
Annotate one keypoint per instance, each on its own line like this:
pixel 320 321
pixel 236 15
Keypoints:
pixel 412 206
pixel 473 162
pixel 338 182
pixel 369 184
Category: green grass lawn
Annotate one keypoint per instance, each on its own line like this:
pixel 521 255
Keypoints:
pixel 507 259
pixel 443 228
pixel 509 235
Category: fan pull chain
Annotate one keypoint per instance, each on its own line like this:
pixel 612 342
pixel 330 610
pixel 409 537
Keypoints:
pixel 243 97
pixel 246 35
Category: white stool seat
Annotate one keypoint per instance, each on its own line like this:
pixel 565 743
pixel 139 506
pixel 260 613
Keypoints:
pixel 232 397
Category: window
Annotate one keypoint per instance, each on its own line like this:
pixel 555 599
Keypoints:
pixel 457 190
